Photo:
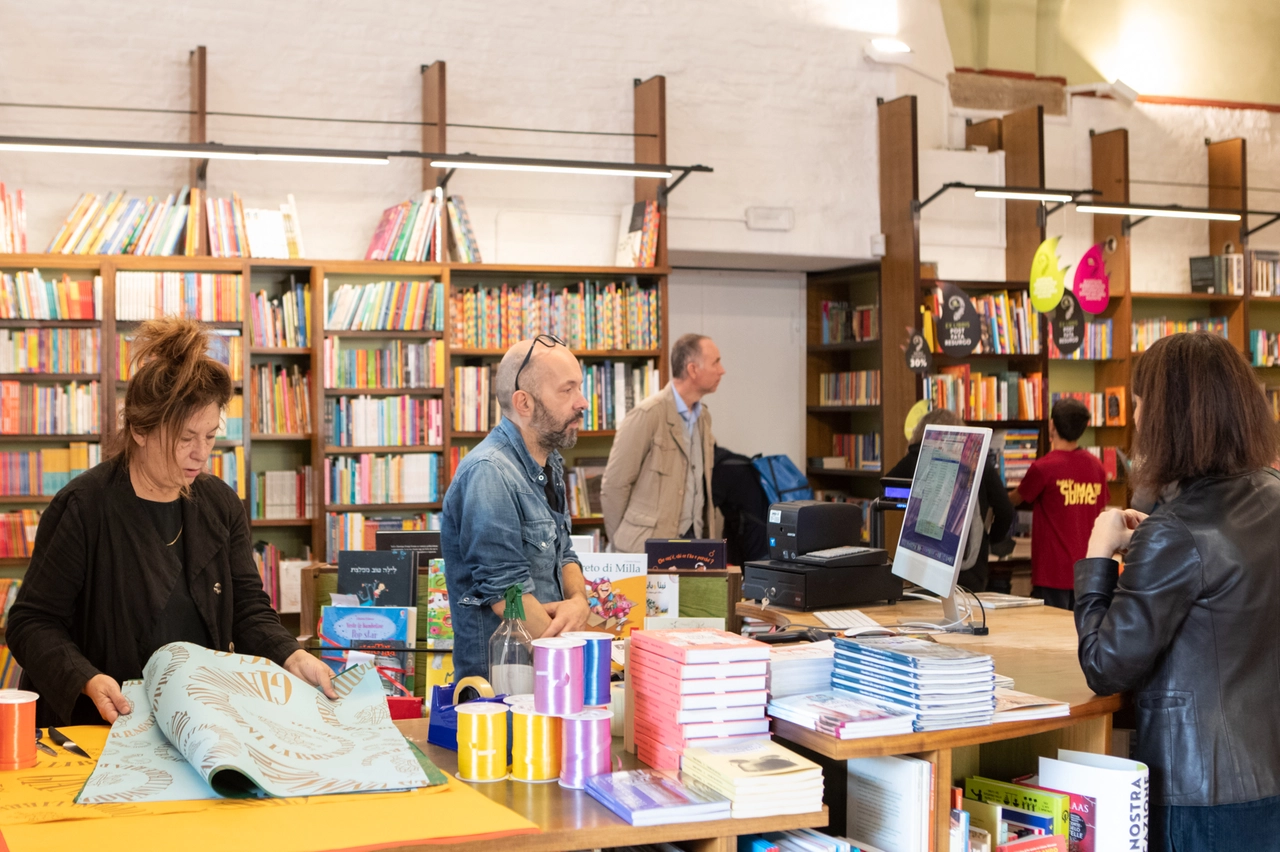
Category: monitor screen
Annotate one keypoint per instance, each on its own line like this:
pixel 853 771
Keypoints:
pixel 943 493
pixel 893 488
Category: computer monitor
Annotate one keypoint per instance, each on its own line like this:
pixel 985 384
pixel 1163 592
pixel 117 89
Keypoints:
pixel 935 529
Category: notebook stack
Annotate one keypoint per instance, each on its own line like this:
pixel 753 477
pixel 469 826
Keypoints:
pixel 759 776
pixel 796 669
pixel 693 688
pixel 842 715
pixel 650 797
pixel 941 685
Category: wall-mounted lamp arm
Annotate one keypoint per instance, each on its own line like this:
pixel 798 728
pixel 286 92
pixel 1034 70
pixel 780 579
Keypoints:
pixel 1275 217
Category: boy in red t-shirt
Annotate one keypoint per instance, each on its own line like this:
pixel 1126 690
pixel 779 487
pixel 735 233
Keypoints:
pixel 1067 490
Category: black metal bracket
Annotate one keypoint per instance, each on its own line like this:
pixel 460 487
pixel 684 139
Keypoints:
pixel 917 206
pixel 1275 217
pixel 665 190
pixel 1127 224
pixel 202 173
pixel 443 183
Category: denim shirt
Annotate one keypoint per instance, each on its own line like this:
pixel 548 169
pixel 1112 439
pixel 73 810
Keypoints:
pixel 496 530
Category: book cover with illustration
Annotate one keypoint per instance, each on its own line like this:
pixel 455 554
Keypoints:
pixel 439 619
pixel 662 597
pixel 616 591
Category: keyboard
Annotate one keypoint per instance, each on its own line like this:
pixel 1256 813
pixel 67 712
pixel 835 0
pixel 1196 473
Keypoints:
pixel 846 619
pixel 844 557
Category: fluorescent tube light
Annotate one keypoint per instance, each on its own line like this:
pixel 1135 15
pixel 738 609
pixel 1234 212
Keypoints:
pixel 1024 194
pixel 1167 212
pixel 890 45
pixel 207 151
pixel 566 167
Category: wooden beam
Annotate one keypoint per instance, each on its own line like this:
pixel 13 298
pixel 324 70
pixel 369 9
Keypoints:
pixel 1229 190
pixel 434 125
pixel 651 146
pixel 1110 153
pixel 900 266
pixel 1023 139
pixel 987 134
pixel 198 173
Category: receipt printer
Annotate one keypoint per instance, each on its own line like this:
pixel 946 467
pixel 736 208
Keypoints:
pixel 803 526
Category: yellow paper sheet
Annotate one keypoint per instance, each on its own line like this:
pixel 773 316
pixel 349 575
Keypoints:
pixel 37 814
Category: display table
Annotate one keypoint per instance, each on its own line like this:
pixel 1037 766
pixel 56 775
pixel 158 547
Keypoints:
pixel 571 819
pixel 1036 646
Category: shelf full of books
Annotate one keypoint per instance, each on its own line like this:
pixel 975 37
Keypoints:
pixel 30 296
pixel 855 387
pixel 978 397
pixel 1008 323
pixel 1148 331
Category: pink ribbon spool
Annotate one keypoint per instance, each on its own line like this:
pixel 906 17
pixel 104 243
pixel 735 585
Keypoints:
pixel 585 743
pixel 557 676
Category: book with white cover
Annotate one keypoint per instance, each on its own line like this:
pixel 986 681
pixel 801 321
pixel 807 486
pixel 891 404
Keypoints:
pixel 842 715
pixel 1119 787
pixel 1012 705
pixel 890 802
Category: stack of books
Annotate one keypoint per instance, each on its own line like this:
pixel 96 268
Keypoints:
pixel 28 295
pixel 861 452
pixel 799 668
pixel 282 321
pixel 840 323
pixel 942 686
pixel 1148 331
pixel 462 238
pixel 205 296
pixel 973 396
pixel 393 421
pixel 1266 272
pixel 412 230
pixel 613 388
pixel 119 225
pixel 1021 446
pixel 693 687
pixel 30 409
pixel 1222 274
pixel 841 715
pixel 49 350
pixel 27 472
pixel 1008 324
pixel 357 531
pixel 652 797
pixel 475 399
pixel 395 364
pixel 13 221
pixel 18 532
pixel 859 387
pixel 586 315
pixel 280 403
pixel 366 479
pixel 638 235
pixel 385 306
pixel 760 777
pixel 274 233
pixel 282 494
pixel 228 465
pixel 1012 706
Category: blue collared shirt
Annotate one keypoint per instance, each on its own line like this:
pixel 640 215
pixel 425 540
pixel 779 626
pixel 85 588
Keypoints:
pixel 496 531
pixel 688 415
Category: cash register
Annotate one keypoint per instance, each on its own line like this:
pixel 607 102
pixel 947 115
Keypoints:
pixel 816 560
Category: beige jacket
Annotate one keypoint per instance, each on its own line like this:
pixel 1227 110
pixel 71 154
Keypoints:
pixel 643 486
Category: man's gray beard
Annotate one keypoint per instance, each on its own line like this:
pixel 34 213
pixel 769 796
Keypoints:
pixel 550 438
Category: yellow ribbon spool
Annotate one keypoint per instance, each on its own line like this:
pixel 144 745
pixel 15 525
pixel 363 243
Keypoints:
pixel 482 741
pixel 535 744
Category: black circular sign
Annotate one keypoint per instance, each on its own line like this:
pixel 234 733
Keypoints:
pixel 1068 323
pixel 959 330
pixel 919 358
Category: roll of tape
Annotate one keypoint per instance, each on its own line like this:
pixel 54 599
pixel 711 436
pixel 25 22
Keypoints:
pixel 479 684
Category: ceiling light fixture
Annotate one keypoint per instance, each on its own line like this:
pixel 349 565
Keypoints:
pixel 565 167
pixel 890 45
pixel 1062 196
pixel 205 151
pixel 1169 212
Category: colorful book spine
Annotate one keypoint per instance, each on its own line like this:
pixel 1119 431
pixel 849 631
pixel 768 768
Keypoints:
pixel 407 231
pixel 401 421
pixel 613 388
pixel 862 451
pixel 280 401
pixel 475 404
pixel 974 396
pixel 842 323
pixel 31 409
pixel 281 321
pixel 228 465
pixel 29 296
pixel 1007 322
pixel 371 479
pixel 13 221
pixel 395 364
pixel 46 471
pixel 50 350
pixel 386 306
pixel 859 387
pixel 1096 345
pixel 225 346
pixel 589 315
pixel 282 494
pixel 356 531
pixel 18 532
pixel 1095 402
pixel 1148 331
pixel 205 296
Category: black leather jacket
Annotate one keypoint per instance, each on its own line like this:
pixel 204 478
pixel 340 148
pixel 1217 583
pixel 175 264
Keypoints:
pixel 1192 629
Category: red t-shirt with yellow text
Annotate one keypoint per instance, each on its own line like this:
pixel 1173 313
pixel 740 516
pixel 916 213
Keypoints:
pixel 1067 490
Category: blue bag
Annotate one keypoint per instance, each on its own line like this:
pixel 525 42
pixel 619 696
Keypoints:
pixel 782 480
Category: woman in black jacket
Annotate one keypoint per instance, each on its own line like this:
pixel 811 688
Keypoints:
pixel 1190 626
pixel 993 498
pixel 146 548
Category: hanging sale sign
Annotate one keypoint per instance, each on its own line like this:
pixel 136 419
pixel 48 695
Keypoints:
pixel 919 358
pixel 1047 279
pixel 1092 284
pixel 1068 324
pixel 959 330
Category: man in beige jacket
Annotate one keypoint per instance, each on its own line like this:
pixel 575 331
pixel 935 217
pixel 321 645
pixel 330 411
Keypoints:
pixel 658 480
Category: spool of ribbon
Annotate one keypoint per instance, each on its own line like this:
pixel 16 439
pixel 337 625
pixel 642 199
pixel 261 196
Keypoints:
pixel 585 747
pixel 535 748
pixel 475 682
pixel 557 675
pixel 513 700
pixel 482 741
pixel 17 729
pixel 596 667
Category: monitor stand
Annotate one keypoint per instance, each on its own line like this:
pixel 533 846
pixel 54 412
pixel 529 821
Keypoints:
pixel 952 621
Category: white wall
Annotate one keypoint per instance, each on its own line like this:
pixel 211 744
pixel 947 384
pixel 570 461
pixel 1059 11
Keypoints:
pixel 757 320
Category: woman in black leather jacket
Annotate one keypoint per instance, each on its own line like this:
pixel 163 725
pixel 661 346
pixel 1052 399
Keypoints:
pixel 1192 626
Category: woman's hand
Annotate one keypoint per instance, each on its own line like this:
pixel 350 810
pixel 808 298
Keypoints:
pixel 105 694
pixel 303 665
pixel 1112 531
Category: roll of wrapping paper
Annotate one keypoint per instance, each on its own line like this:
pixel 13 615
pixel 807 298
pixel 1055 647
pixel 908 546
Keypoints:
pixel 597 666
pixel 557 675
pixel 535 749
pixel 17 729
pixel 585 747
pixel 482 741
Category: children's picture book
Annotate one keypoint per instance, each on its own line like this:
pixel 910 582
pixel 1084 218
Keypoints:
pixel 662 596
pixel 650 797
pixel 616 585
pixel 439 619
pixel 387 628
pixel 378 577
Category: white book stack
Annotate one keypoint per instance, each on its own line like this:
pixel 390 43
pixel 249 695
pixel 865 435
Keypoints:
pixel 759 776
pixel 801 668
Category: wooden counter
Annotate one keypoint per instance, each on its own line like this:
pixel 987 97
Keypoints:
pixel 1036 646
pixel 571 819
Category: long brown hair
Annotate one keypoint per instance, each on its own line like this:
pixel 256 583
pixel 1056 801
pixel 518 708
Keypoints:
pixel 173 378
pixel 1203 412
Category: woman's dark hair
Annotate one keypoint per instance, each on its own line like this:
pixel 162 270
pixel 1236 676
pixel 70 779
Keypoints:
pixel 1203 412
pixel 172 379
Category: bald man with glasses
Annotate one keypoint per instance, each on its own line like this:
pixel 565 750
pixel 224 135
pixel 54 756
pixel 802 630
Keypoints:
pixel 505 519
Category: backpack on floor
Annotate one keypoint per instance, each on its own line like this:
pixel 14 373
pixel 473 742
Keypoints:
pixel 736 491
pixel 782 480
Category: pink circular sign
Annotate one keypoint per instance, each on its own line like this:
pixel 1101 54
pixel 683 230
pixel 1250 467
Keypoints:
pixel 1091 284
